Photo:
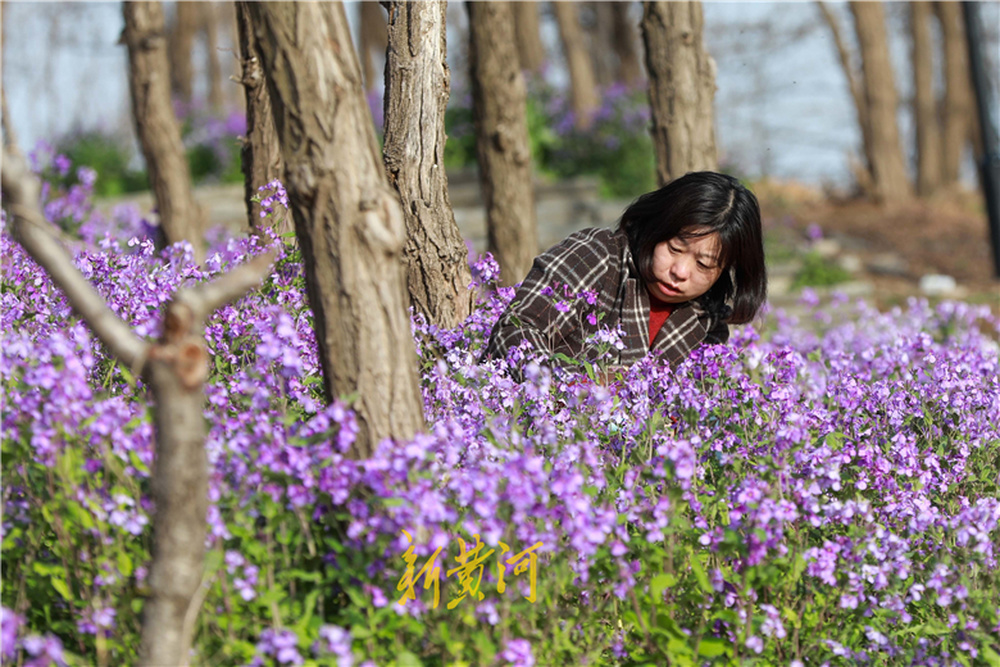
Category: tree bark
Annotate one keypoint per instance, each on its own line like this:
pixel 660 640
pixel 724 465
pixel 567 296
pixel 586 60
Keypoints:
pixel 348 221
pixel 885 152
pixel 681 88
pixel 583 87
pixel 373 38
pixel 957 111
pixel 175 369
pixel 625 44
pixel 210 24
pixel 924 103
pixel 156 125
pixel 181 43
pixel 502 148
pixel 854 85
pixel 527 32
pixel 598 21
pixel 260 153
pixel 417 88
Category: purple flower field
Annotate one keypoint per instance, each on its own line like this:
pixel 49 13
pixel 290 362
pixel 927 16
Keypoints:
pixel 818 492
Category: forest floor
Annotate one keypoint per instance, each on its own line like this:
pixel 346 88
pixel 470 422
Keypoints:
pixel 891 248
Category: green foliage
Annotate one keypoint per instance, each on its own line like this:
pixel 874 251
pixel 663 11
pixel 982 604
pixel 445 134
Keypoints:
pixel 819 271
pixel 215 162
pixel 616 148
pixel 110 157
pixel 460 147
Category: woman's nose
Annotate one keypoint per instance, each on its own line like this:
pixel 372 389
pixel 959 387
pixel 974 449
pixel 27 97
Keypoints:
pixel 679 270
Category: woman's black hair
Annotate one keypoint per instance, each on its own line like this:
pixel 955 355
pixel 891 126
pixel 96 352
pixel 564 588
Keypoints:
pixel 698 204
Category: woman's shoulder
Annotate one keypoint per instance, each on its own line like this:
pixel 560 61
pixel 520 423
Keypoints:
pixel 599 240
pixel 582 258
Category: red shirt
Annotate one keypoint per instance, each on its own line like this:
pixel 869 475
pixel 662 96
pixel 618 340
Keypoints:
pixel 658 314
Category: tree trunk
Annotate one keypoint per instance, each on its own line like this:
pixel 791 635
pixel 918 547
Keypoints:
pixel 175 369
pixel 862 174
pixel 924 105
pixel 957 112
pixel 373 38
pixel 885 154
pixel 260 153
pixel 625 44
pixel 583 88
pixel 210 23
pixel 527 32
pixel 502 148
pixel 681 88
pixel 181 43
pixel 417 87
pixel 347 219
pixel 599 24
pixel 156 125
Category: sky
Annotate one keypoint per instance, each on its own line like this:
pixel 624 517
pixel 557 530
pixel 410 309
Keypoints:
pixel 782 104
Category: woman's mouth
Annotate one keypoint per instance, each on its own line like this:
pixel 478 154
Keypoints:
pixel 669 289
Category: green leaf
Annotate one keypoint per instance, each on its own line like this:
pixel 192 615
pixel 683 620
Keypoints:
pixel 80 515
pixel 660 583
pixel 991 657
pixel 711 648
pixel 407 659
pixel 124 564
pixel 47 569
pixel 137 463
pixel 699 573
pixel 62 588
pixel 213 561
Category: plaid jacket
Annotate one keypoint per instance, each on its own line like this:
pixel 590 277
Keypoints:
pixel 587 282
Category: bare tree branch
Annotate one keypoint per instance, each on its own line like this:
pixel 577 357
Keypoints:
pixel 35 233
pixel 176 369
pixel 845 61
pixel 208 297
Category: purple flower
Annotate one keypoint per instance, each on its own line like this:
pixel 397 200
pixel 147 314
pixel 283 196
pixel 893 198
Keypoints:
pixel 10 623
pixel 43 651
pixel 517 653
pixel 336 641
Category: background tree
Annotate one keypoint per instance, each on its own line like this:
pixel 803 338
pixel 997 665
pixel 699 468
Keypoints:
pixel 175 370
pixel 373 39
pixel 156 125
pixel 925 116
pixel 681 88
pixel 528 34
pixel 876 100
pixel 180 40
pixel 956 109
pixel 625 38
pixel 598 22
pixel 504 155
pixel 347 219
pixel 260 153
pixel 885 155
pixel 583 85
pixel 210 22
pixel 417 87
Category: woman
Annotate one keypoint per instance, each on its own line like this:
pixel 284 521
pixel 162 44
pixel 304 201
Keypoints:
pixel 686 261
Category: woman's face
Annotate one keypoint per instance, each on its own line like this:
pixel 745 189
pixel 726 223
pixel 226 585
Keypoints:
pixel 685 268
